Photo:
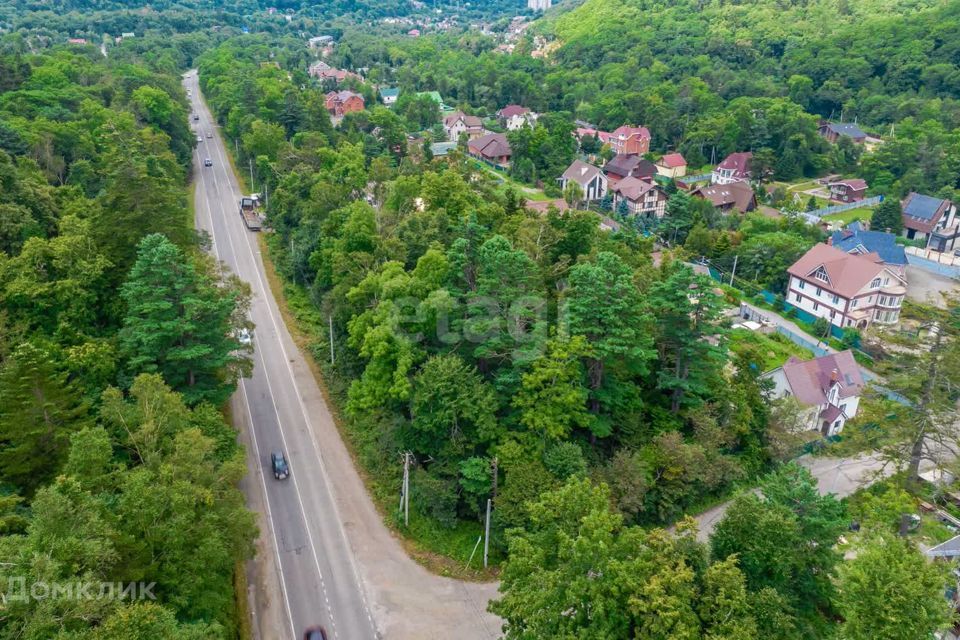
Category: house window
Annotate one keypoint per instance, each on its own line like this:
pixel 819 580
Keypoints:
pixel 870 299
pixel 821 275
pixel 800 283
pixel 816 305
pixel 886 281
pixel 832 313
pixel 836 299
pixel 797 296
pixel 875 283
pixel 854 303
pixel 819 292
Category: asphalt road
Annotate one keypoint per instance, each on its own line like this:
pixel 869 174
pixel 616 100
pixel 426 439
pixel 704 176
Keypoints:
pixel 318 575
pixel 324 555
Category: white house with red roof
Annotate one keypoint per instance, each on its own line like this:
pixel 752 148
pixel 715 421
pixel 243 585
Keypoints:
pixel 458 123
pixel 672 165
pixel 513 117
pixel 828 387
pixel 734 168
pixel 629 139
pixel 848 289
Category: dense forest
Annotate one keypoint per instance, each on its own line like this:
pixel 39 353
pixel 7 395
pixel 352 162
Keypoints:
pixel 116 352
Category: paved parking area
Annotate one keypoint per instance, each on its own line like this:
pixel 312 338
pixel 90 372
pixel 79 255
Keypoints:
pixel 926 287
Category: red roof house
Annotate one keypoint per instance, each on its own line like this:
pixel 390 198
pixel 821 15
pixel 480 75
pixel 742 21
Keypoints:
pixel 734 168
pixel 339 103
pixel 672 165
pixel 627 139
pixel 848 190
pixel 492 147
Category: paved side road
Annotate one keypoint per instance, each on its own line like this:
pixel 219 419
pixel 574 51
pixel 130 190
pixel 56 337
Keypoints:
pixel 325 555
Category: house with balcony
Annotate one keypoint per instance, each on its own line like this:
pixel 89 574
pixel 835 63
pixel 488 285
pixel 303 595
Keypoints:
pixel 848 190
pixel 592 182
pixel 642 197
pixel 628 139
pixel 847 289
pixel 828 388
pixel 458 123
pixel 931 219
pixel 734 168
pixel 513 117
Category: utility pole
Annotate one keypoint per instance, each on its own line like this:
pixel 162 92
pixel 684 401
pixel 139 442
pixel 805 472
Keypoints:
pixel 236 145
pixel 486 535
pixel 329 322
pixel 405 492
pixel 251 176
pixel 734 270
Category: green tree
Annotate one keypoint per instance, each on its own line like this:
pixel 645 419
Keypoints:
pixel 890 591
pixel 181 323
pixel 888 216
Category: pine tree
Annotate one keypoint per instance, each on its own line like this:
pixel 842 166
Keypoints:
pixel 888 216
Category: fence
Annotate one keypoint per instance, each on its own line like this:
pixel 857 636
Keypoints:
pixel 837 208
pixel 934 262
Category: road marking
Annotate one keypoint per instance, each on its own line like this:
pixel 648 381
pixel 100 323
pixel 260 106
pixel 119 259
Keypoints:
pixel 313 546
pixel 303 411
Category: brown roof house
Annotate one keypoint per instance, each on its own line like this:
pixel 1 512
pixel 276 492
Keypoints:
pixel 932 219
pixel 628 165
pixel 628 139
pixel 736 196
pixel 672 165
pixel 848 289
pixel 458 122
pixel 492 147
pixel 734 168
pixel 591 180
pixel 828 387
pixel 514 117
pixel 642 197
pixel 848 190
pixel 833 131
pixel 342 102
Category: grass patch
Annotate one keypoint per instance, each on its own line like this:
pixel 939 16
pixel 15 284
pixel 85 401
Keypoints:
pixel 442 550
pixel 774 348
pixel 846 217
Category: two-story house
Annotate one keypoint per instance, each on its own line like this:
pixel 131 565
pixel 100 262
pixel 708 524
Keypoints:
pixel 492 147
pixel 932 219
pixel 848 289
pixel 854 238
pixel 339 103
pixel 828 388
pixel 592 182
pixel 628 139
pixel 513 117
pixel 727 198
pixel 458 123
pixel 848 190
pixel 833 131
pixel 734 168
pixel 642 197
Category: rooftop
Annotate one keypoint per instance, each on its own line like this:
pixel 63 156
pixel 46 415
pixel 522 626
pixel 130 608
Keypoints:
pixel 856 239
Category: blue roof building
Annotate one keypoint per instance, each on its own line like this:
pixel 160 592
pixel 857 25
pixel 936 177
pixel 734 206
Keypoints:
pixel 856 239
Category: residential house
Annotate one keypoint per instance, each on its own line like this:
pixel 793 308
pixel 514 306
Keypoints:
pixel 77 40
pixel 628 139
pixel 339 103
pixel 322 71
pixel 591 180
pixel 458 123
pixel 848 190
pixel 389 95
pixel 833 131
pixel 435 96
pixel 727 198
pixel 492 147
pixel 643 197
pixel 538 5
pixel 855 238
pixel 828 388
pixel 734 168
pixel 848 289
pixel 513 117
pixel 932 219
pixel 628 166
pixel 414 33
pixel 672 165
pixel 317 42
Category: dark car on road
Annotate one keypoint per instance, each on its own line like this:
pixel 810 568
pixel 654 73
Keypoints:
pixel 279 463
pixel 315 633
pixel 208 162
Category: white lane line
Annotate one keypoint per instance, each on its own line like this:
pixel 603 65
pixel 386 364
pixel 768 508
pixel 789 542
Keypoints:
pixel 259 352
pixel 303 411
pixel 253 434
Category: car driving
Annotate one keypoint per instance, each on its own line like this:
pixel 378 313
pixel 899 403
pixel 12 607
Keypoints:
pixel 208 162
pixel 279 463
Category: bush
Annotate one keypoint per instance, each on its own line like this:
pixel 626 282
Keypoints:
pixel 565 459
pixel 435 496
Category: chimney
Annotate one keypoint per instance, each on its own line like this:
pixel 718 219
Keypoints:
pixel 834 377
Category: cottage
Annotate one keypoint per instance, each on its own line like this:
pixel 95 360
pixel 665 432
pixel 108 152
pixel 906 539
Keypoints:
pixel 339 103
pixel 628 166
pixel 828 387
pixel 389 95
pixel 588 132
pixel 591 180
pixel 322 71
pixel 848 190
pixel 672 165
pixel 932 219
pixel 492 147
pixel 833 131
pixel 848 289
pixel 318 42
pixel 458 123
pixel 734 168
pixel 727 198
pixel 642 197
pixel 513 117
pixel 628 139
pixel 858 240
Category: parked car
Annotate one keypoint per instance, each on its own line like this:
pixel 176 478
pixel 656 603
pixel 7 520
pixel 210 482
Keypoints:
pixel 244 337
pixel 199 138
pixel 209 134
pixel 280 469
pixel 196 118
pixel 208 162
